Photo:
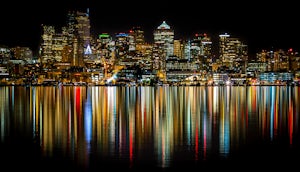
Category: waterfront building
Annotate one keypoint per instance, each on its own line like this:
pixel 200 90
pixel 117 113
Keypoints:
pixel 255 67
pixel 5 54
pixel 233 53
pixel 278 60
pixel 163 45
pixel 267 78
pixel 178 70
pixel 4 73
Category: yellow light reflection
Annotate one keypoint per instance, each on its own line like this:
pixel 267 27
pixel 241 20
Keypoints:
pixel 128 123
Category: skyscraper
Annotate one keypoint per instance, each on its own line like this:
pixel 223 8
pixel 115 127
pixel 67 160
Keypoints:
pixel 233 53
pixel 78 35
pixel 84 37
pixel 163 44
pixel 164 38
pixel 71 44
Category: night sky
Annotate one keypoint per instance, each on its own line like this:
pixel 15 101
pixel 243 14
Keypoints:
pixel 261 25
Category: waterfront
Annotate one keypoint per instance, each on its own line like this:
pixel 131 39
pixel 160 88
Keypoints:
pixel 91 128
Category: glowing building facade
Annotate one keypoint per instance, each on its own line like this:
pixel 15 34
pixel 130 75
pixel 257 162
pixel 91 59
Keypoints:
pixel 69 45
pixel 178 48
pixel 164 43
pixel 233 53
pixel 122 45
pixel 5 54
pixel 52 45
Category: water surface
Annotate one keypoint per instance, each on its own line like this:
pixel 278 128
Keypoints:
pixel 156 128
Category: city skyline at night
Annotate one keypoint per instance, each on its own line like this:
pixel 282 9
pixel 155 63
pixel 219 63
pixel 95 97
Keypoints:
pixel 75 46
pixel 160 85
pixel 261 25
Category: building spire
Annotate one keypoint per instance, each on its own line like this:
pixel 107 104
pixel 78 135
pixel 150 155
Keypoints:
pixel 164 25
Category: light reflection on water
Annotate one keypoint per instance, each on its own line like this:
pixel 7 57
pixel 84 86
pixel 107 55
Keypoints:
pixel 154 126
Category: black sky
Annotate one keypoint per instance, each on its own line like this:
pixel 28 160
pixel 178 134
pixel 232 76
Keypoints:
pixel 261 25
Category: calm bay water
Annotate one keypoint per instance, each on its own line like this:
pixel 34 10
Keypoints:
pixel 157 128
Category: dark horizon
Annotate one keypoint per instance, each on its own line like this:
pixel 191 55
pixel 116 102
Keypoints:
pixel 260 26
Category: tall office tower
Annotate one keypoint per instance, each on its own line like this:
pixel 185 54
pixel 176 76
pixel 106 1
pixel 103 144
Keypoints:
pixel 195 46
pixel 78 35
pixel 122 45
pixel 164 42
pixel 187 49
pixel 201 47
pixel 52 45
pixel 104 47
pixel 205 53
pixel 136 38
pixel 48 33
pixel 70 52
pixel 141 47
pixel 138 35
pixel 158 61
pixel 131 42
pixel 233 53
pixel 71 24
pixel 83 27
pixel 178 49
pixel 206 45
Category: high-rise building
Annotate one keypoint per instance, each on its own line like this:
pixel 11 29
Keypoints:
pixel 122 45
pixel 136 38
pixel 233 53
pixel 205 45
pixel 84 37
pixel 72 44
pixel 131 42
pixel 275 61
pixel 83 27
pixel 178 48
pixel 138 35
pixel 205 51
pixel 104 47
pixel 164 42
pixel 198 50
pixel 164 38
pixel 52 45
